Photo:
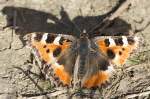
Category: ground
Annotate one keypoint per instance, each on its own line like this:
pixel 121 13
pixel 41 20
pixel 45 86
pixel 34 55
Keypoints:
pixel 132 81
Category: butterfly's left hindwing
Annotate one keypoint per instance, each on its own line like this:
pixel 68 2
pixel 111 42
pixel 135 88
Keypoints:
pixel 51 48
pixel 98 72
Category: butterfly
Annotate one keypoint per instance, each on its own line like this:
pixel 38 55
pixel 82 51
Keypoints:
pixel 83 61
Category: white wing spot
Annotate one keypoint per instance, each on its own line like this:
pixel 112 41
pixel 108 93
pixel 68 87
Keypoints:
pixel 44 37
pixel 56 64
pixel 125 41
pixel 33 36
pixel 56 41
pixel 110 69
pixel 112 42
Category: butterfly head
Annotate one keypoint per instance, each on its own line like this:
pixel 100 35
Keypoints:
pixel 84 34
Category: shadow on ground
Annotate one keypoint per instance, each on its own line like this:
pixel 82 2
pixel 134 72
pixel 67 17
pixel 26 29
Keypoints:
pixel 25 21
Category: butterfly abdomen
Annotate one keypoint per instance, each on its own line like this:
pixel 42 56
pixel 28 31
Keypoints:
pixel 83 51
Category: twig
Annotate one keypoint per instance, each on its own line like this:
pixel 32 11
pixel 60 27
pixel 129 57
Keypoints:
pixel 106 21
pixel 57 93
pixel 138 94
pixel 48 94
pixel 30 78
pixel 41 89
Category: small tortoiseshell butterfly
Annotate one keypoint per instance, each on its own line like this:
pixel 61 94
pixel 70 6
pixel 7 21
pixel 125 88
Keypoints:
pixel 87 62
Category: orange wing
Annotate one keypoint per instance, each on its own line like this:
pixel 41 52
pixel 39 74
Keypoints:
pixel 98 70
pixel 117 49
pixel 50 48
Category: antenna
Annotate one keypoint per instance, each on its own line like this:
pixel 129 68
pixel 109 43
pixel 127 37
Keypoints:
pixel 76 27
